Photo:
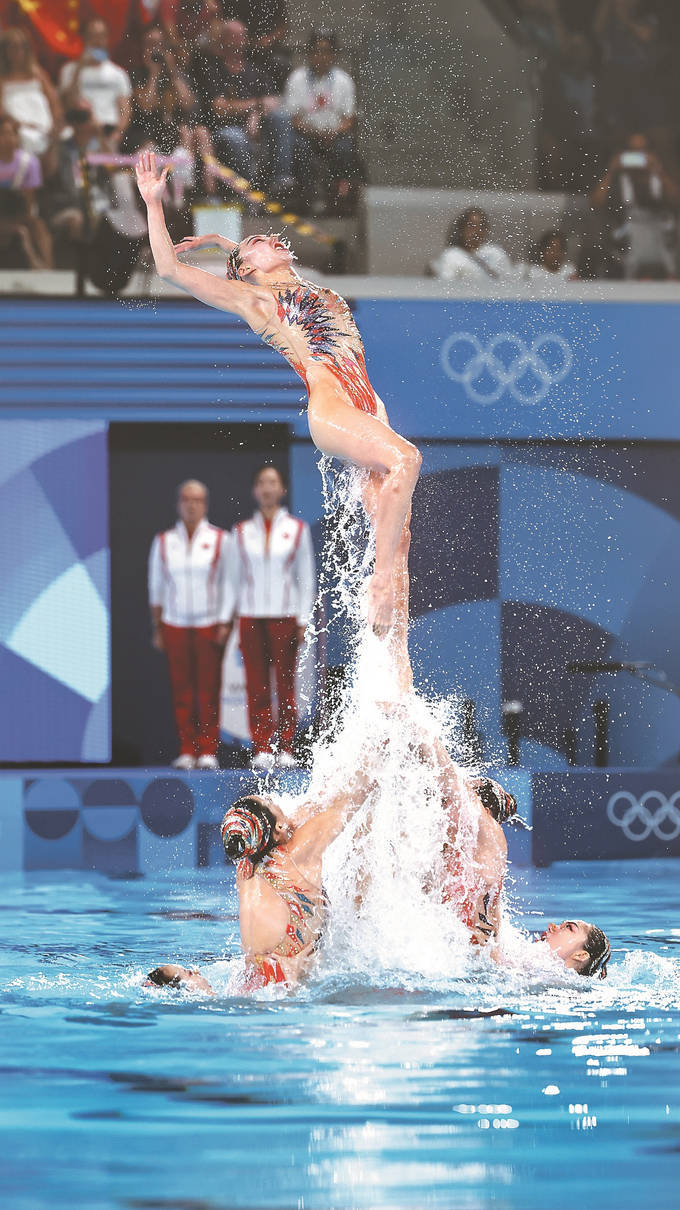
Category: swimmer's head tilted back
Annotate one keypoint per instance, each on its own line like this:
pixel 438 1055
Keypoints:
pixel 263 253
pixel 174 976
pixel 583 947
pixel 599 953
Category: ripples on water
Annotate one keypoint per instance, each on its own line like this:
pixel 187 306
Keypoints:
pixel 353 1093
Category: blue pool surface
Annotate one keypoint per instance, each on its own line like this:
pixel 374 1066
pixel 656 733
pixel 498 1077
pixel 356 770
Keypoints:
pixel 345 1096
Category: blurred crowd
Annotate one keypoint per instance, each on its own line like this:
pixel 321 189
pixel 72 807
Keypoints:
pixel 226 90
pixel 609 124
pixel 230 89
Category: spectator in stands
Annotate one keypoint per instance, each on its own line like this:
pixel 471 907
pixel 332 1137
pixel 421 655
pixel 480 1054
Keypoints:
pixel 162 116
pixel 320 98
pixel 238 106
pixel 187 25
pixel 160 72
pixel 271 585
pixel 28 95
pixel 186 594
pixel 639 198
pixel 94 78
pixel 24 239
pixel 551 262
pixel 266 22
pixel 469 257
pixel 66 206
pixel 631 86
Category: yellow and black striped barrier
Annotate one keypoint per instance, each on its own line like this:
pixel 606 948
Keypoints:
pixel 238 183
pixel 244 188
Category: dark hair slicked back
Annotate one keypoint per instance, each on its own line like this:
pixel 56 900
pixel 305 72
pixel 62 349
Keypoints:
pixel 599 952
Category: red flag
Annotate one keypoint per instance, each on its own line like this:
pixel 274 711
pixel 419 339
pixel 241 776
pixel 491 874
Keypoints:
pixel 58 22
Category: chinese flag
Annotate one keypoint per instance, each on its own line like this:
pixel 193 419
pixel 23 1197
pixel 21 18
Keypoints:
pixel 59 21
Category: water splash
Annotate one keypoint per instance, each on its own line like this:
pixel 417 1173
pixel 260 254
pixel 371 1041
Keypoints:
pixel 384 873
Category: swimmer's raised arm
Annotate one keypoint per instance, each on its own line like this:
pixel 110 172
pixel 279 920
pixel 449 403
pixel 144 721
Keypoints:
pixel 237 297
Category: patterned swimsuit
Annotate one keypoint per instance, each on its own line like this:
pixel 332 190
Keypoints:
pixel 307 914
pixel 320 321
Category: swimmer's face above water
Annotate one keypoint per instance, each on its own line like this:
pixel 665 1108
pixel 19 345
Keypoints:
pixel 583 947
pixel 568 942
pixel 181 977
pixel 264 254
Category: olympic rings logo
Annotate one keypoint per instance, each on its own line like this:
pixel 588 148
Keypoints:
pixel 652 813
pixel 506 364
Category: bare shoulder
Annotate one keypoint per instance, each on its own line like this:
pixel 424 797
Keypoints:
pixel 492 847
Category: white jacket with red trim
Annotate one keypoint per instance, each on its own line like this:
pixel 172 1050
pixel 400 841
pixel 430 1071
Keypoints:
pixel 271 575
pixel 188 578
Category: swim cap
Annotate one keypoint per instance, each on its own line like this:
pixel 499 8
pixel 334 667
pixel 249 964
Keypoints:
pixel 246 831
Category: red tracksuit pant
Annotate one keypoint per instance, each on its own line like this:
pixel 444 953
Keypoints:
pixel 195 663
pixel 266 644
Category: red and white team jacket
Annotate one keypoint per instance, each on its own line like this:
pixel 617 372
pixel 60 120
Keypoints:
pixel 188 579
pixel 271 575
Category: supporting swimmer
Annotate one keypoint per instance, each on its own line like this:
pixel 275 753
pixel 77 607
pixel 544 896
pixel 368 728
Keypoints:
pixel 475 850
pixel 282 904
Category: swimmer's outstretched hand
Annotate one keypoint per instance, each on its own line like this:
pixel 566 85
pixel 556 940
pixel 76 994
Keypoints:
pixel 150 182
pixel 380 604
pixel 192 243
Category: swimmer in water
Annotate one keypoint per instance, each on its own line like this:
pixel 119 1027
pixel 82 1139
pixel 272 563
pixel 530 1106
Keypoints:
pixel 473 881
pixel 180 977
pixel 282 904
pixel 314 330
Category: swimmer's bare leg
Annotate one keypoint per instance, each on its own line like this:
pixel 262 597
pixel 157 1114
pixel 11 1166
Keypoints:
pixel 341 430
pixel 401 614
pixel 398 638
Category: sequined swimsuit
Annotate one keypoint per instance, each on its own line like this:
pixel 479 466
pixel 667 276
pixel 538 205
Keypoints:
pixel 306 918
pixel 320 328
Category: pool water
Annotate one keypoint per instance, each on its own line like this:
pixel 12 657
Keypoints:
pixel 345 1095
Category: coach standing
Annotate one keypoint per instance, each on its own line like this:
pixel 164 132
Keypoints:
pixel 271 585
pixel 187 567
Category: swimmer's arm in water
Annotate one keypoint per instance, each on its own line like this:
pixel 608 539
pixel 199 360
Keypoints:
pixel 248 301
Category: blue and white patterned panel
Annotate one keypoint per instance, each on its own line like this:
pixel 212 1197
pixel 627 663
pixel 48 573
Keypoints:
pixel 54 607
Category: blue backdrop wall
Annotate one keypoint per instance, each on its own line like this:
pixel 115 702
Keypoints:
pixel 546 524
